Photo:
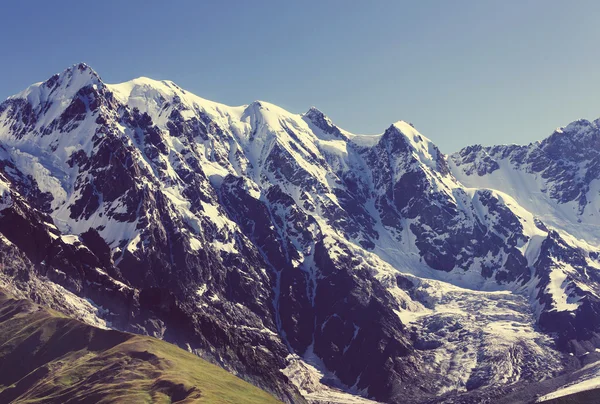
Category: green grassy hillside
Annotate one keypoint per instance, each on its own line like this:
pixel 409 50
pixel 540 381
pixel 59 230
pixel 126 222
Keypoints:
pixel 46 357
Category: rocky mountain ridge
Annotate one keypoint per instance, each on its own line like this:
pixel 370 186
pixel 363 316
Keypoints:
pixel 315 263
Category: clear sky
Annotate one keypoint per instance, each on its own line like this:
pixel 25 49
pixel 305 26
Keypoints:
pixel 462 72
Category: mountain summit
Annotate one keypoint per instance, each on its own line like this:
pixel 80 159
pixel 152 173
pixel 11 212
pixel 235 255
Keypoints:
pixel 317 264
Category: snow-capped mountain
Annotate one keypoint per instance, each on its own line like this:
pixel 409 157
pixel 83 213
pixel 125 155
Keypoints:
pixel 317 264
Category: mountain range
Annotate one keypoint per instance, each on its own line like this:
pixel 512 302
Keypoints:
pixel 317 264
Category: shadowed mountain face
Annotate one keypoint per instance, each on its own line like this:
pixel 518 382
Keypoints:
pixel 47 357
pixel 310 261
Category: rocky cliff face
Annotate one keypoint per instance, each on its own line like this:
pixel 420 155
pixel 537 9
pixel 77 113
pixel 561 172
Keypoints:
pixel 308 260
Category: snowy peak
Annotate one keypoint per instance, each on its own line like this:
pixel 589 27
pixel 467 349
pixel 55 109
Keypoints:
pixel 269 111
pixel 64 85
pixel 401 137
pixel 580 140
pixel 557 178
pixel 317 117
pixel 145 93
pixel 581 127
pixel 415 140
pixel 55 106
pixel 326 129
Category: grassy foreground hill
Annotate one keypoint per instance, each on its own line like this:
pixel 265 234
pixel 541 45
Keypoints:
pixel 46 357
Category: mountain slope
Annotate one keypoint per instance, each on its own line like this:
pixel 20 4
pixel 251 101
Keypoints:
pixel 51 358
pixel 306 259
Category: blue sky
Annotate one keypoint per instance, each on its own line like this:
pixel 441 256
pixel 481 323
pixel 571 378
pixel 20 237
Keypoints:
pixel 462 72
